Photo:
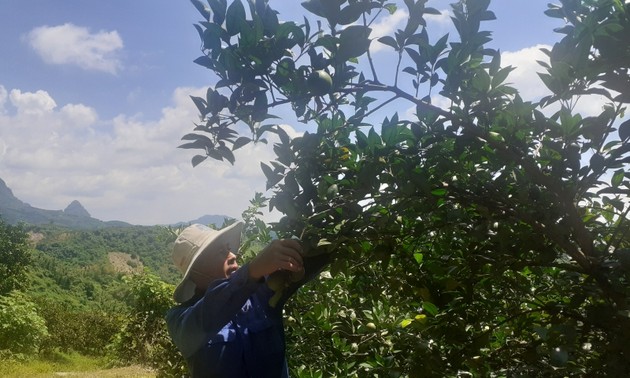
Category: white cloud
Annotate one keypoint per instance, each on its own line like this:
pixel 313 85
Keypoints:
pixel 79 115
pixel 437 25
pixel 34 103
pixel 4 95
pixel 386 26
pixel 525 77
pixel 75 45
pixel 440 24
pixel 125 168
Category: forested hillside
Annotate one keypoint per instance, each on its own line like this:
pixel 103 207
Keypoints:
pixel 74 291
pixel 84 267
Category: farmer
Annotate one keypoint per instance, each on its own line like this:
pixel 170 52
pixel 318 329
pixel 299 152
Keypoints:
pixel 224 324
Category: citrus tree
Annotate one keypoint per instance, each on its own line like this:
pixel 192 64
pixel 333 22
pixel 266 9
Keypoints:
pixel 488 236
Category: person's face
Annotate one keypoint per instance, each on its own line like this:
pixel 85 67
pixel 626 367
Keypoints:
pixel 213 266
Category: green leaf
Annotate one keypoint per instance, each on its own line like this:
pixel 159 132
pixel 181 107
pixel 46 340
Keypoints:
pixel 234 17
pixel 481 81
pixel 431 11
pixel 198 159
pixel 272 177
pixel 218 7
pixel 205 61
pixel 240 142
pixel 406 322
pixel 418 59
pixel 282 134
pixel 617 178
pixel 550 82
pixel 624 130
pixel 501 75
pixel 389 41
pixel 597 162
pixel 200 103
pixel 555 12
pixel 200 142
pixel 314 6
pixel 260 107
pixel 362 139
pixel 226 154
pixel 270 21
pixel 430 308
pixel 205 12
pixel 216 101
pixel 410 70
pixel 292 33
pixel 391 8
pixel 353 42
pixel 353 12
pixel 373 138
pixel 487 16
pixel 418 257
pixel 390 133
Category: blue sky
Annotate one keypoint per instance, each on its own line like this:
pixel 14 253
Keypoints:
pixel 94 98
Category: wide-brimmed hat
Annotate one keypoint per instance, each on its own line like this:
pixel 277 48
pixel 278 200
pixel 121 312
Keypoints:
pixel 196 240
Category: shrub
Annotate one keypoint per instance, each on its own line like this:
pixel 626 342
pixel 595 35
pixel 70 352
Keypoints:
pixel 86 332
pixel 22 329
pixel 143 337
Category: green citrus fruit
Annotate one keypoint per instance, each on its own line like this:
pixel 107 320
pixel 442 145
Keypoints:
pixel 319 82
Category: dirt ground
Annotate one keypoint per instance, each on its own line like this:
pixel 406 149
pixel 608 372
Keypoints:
pixel 123 263
pixel 124 372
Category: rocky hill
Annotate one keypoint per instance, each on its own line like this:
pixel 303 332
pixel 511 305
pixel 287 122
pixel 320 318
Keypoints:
pixel 75 216
pixel 13 210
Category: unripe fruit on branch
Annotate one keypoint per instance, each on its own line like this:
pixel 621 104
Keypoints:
pixel 319 82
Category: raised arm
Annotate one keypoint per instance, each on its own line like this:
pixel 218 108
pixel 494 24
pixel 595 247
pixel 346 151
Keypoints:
pixel 191 325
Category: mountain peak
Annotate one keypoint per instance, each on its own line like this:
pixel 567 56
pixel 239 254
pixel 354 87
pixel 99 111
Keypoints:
pixel 7 200
pixel 4 190
pixel 75 208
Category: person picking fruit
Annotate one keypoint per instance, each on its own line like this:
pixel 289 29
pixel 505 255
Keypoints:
pixel 226 324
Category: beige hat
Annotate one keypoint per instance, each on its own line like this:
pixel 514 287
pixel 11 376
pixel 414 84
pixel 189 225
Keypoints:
pixel 195 240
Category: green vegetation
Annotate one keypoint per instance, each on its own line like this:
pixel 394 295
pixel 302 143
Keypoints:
pixel 23 329
pixel 14 258
pixel 487 236
pixel 77 262
pixel 76 304
pixel 58 363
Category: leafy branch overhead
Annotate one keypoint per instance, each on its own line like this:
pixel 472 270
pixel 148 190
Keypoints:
pixel 503 220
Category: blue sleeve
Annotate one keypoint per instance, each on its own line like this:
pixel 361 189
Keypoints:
pixel 190 326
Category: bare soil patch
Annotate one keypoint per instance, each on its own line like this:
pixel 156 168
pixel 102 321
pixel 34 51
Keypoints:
pixel 124 262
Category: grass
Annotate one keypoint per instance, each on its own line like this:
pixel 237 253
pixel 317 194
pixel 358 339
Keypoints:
pixel 68 364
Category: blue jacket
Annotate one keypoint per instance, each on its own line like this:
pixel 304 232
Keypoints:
pixel 231 331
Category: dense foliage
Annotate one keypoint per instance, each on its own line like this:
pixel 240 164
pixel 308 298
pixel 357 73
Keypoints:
pixel 22 330
pixel 71 298
pixel 142 337
pixel 488 236
pixel 14 257
pixel 72 328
